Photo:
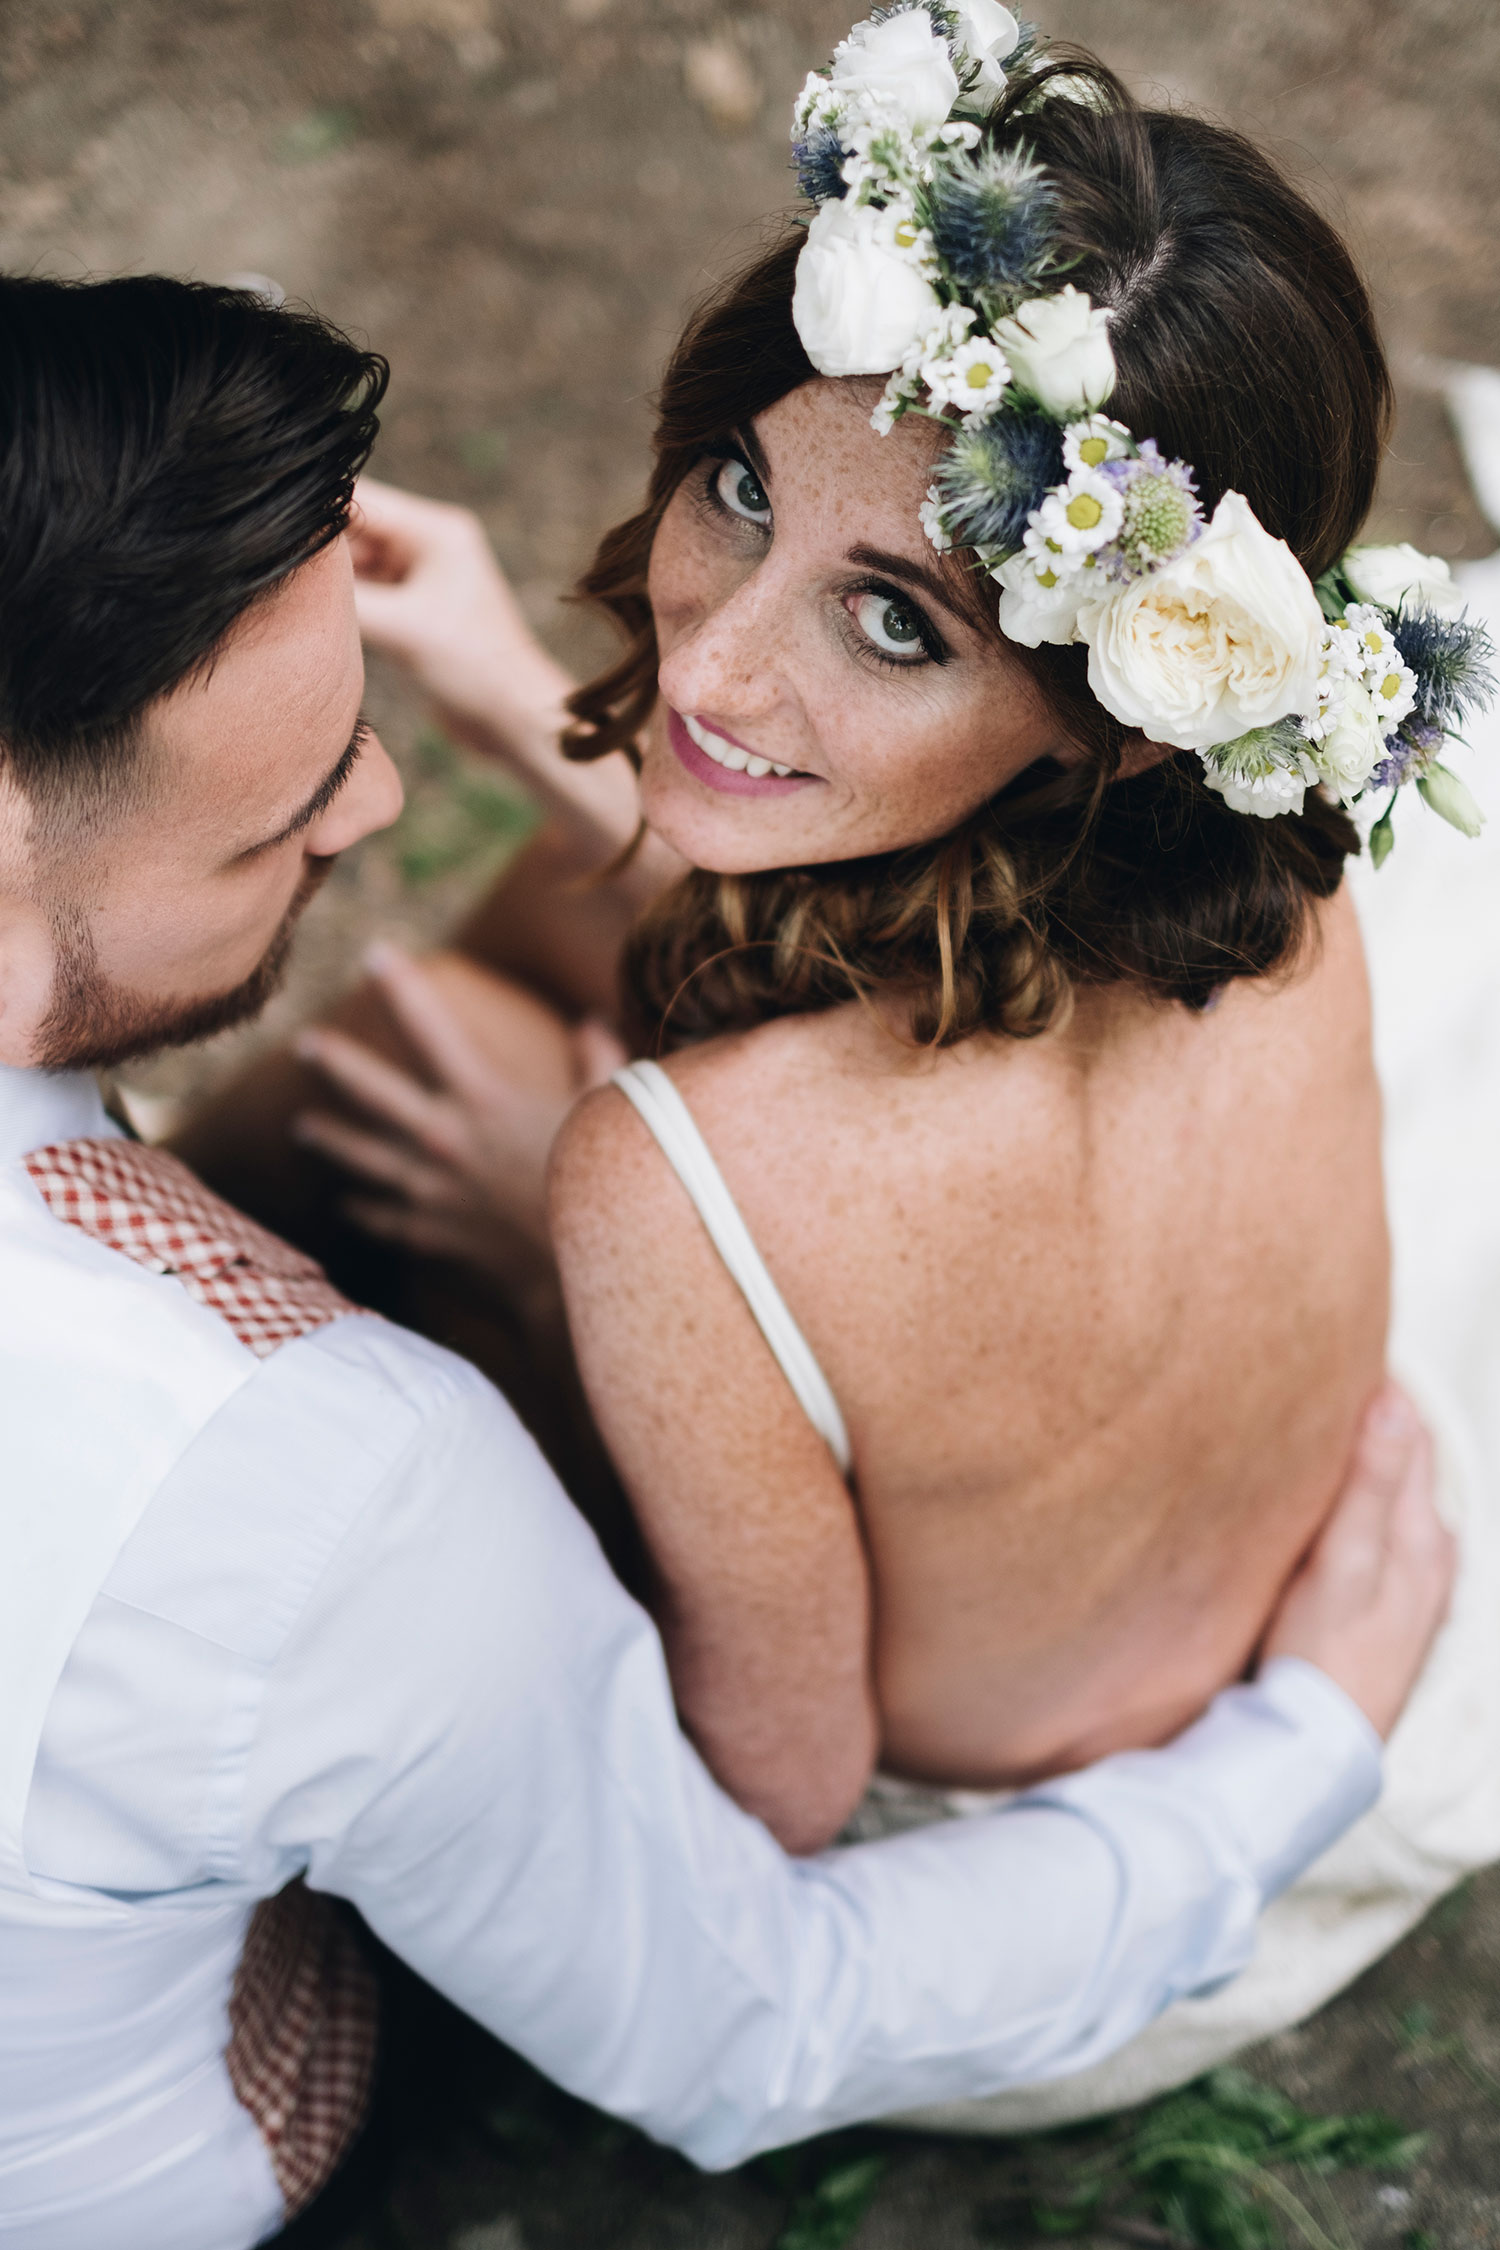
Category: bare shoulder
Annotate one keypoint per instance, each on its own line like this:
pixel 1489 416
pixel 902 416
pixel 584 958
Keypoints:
pixel 605 1162
pixel 605 1173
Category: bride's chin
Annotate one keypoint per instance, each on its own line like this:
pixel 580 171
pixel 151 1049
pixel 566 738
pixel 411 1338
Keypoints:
pixel 725 836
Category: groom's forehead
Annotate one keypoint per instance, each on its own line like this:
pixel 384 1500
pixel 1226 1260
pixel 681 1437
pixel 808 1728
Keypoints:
pixel 260 723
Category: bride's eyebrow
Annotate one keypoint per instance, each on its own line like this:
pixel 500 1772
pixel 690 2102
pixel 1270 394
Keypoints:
pixel 915 574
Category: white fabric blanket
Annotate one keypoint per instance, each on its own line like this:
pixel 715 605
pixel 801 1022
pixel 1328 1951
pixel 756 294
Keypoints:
pixel 1431 919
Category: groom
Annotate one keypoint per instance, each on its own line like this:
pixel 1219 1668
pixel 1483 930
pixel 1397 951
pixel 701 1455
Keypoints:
pixel 291 1610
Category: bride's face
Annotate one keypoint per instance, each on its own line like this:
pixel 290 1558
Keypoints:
pixel 824 692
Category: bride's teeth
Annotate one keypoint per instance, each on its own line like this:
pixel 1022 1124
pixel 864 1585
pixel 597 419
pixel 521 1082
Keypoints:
pixel 729 754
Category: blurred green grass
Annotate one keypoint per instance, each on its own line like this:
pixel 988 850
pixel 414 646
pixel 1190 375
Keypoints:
pixel 461 817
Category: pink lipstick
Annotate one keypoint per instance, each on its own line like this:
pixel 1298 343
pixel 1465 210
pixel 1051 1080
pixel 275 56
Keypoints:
pixel 731 781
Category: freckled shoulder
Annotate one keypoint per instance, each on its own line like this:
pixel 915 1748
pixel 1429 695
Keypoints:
pixel 605 1170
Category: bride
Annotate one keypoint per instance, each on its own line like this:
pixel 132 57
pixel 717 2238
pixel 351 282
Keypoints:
pixel 979 1279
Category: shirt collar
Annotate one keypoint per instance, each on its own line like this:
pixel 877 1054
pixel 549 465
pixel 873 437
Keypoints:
pixel 39 1107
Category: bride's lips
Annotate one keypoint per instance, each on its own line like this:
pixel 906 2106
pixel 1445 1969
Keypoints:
pixel 733 783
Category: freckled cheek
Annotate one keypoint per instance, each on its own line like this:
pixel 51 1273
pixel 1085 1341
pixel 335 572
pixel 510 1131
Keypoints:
pixel 925 780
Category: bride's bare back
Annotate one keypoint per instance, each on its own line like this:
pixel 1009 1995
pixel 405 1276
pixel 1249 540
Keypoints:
pixel 1101 1310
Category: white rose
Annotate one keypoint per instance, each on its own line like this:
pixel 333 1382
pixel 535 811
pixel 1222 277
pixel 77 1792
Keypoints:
pixel 901 67
pixel 989 33
pixel 1032 613
pixel 1390 575
pixel 860 302
pixel 1059 352
pixel 1225 638
pixel 1354 745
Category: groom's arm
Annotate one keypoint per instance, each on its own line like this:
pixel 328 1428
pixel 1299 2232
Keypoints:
pixel 469 1733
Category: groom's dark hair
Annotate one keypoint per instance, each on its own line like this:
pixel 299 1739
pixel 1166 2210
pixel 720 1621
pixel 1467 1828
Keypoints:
pixel 169 453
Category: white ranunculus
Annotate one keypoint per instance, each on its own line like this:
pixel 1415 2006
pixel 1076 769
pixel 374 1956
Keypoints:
pixel 1032 613
pixel 989 33
pixel 901 68
pixel 1059 352
pixel 1225 638
pixel 860 302
pixel 1390 575
pixel 1354 745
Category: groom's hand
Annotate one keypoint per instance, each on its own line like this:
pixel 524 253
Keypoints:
pixel 1367 1600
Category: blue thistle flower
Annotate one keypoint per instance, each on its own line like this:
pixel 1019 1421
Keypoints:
pixel 1452 658
pixel 819 161
pixel 993 477
pixel 1029 50
pixel 992 215
pixel 944 20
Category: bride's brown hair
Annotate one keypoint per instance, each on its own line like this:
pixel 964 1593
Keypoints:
pixel 1246 345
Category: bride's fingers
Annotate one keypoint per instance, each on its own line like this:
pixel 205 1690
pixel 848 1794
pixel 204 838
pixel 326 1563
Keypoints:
pixel 432 1024
pixel 388 1164
pixel 381 1088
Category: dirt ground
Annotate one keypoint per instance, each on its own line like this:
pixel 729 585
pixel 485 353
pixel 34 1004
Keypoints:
pixel 516 203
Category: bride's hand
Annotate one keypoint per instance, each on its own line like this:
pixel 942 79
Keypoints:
pixel 1366 1602
pixel 461 1165
pixel 430 593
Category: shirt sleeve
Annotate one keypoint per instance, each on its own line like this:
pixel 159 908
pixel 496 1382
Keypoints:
pixel 469 1733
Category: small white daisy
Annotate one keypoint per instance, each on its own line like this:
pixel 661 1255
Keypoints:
pixel 932 522
pixel 1393 691
pixel 1081 515
pixel 1090 443
pixel 972 378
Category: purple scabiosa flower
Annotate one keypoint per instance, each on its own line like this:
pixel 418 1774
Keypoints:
pixel 1161 512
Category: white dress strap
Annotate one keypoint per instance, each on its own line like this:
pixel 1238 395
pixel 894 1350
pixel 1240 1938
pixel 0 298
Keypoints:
pixel 661 1107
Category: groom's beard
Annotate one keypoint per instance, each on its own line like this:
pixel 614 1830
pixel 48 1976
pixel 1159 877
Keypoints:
pixel 93 1024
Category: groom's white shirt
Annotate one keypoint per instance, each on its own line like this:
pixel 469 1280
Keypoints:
pixel 330 1613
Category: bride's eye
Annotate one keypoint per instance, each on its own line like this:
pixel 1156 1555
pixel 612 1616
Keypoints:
pixel 738 488
pixel 892 626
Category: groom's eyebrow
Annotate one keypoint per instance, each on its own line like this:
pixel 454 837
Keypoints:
pixel 323 796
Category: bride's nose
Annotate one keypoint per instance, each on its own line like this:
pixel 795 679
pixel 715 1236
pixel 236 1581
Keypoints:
pixel 735 658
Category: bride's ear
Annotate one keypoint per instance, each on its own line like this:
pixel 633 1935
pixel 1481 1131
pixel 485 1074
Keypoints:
pixel 1137 755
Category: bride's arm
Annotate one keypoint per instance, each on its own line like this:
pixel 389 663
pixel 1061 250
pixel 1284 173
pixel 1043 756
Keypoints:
pixel 764 1590
pixel 431 596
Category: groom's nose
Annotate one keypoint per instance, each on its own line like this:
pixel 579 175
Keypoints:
pixel 371 798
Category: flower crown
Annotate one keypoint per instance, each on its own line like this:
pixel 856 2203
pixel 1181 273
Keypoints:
pixel 932 259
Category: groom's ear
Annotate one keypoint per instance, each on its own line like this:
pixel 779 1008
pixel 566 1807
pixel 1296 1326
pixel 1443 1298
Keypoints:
pixel 27 949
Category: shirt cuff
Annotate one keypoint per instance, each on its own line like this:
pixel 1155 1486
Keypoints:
pixel 1289 1760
